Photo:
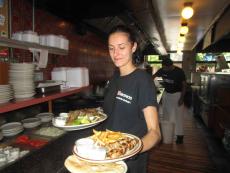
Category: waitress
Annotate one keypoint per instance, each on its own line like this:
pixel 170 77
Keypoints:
pixel 130 97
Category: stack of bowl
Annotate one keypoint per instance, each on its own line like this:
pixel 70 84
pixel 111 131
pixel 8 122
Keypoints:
pixel 21 76
pixel 6 93
pixel 45 116
pixel 31 122
pixel 12 129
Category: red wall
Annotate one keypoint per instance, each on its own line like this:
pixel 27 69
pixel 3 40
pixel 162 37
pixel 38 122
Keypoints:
pixel 88 50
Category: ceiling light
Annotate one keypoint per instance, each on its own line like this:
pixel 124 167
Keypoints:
pixel 179 52
pixel 187 11
pixel 182 38
pixel 173 47
pixel 180 45
pixel 184 28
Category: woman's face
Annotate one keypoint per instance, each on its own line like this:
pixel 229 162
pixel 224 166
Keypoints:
pixel 121 49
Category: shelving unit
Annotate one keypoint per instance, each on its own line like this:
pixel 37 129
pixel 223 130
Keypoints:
pixel 6 42
pixel 14 105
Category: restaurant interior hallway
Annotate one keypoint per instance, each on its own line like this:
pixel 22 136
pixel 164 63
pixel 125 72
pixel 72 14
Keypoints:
pixel 190 157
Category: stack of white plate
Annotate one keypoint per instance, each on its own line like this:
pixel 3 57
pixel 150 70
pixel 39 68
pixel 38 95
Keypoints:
pixel 6 93
pixel 11 129
pixel 1 136
pixel 31 122
pixel 21 77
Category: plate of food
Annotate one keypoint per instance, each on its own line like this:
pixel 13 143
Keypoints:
pixel 75 165
pixel 107 146
pixel 79 119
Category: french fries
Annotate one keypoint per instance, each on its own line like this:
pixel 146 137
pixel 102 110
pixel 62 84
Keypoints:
pixel 106 137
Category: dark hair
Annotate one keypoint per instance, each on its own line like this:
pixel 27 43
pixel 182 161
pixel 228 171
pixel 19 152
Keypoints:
pixel 167 61
pixel 125 29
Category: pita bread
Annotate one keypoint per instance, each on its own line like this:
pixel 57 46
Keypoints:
pixel 74 165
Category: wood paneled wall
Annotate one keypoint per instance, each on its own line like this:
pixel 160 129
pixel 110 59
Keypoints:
pixel 87 50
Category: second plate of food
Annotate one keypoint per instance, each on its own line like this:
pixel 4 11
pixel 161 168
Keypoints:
pixel 79 119
pixel 107 146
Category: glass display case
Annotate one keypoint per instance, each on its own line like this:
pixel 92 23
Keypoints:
pixel 210 85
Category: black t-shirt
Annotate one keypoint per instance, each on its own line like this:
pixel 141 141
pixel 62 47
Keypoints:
pixel 172 79
pixel 125 98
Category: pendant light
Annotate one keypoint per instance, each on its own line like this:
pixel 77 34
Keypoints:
pixel 187 11
pixel 181 38
pixel 184 28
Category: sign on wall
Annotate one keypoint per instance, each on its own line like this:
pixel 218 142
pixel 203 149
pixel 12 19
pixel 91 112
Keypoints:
pixel 4 26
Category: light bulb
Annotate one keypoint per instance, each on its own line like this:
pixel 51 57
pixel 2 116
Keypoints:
pixel 181 38
pixel 179 52
pixel 184 29
pixel 180 45
pixel 187 12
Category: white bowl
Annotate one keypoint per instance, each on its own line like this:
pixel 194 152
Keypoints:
pixel 86 148
pixel 45 116
pixel 60 121
pixel 64 115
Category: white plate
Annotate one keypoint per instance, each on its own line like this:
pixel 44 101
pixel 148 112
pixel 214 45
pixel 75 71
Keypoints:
pixel 81 126
pixel 19 96
pixel 129 154
pixel 1 136
pixel 73 165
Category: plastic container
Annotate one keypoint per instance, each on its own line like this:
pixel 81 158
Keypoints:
pixel 59 73
pixel 167 131
pixel 77 77
pixel 53 41
pixel 17 35
pixel 43 40
pixel 64 43
pixel 30 36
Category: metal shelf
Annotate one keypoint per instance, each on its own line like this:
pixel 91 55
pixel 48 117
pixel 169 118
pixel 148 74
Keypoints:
pixel 6 42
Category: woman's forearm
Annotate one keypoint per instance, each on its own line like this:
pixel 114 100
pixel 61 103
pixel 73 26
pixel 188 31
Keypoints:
pixel 153 134
pixel 151 139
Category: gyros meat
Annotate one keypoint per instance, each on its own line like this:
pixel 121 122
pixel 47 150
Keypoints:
pixel 83 116
pixel 116 143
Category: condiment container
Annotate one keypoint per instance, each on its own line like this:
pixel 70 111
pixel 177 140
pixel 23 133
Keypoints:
pixel 60 121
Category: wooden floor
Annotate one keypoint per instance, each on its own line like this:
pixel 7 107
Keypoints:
pixel 190 157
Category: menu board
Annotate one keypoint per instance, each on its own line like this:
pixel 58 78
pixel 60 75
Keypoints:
pixel 4 18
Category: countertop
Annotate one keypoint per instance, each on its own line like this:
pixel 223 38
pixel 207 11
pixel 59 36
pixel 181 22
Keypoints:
pixel 51 157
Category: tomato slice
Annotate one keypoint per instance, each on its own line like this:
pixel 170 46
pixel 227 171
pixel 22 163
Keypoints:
pixel 22 139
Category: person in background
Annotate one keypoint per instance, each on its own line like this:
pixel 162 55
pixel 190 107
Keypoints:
pixel 221 63
pixel 174 82
pixel 130 97
pixel 149 69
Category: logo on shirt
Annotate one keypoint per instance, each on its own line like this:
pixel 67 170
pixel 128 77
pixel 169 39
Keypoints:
pixel 168 81
pixel 124 97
